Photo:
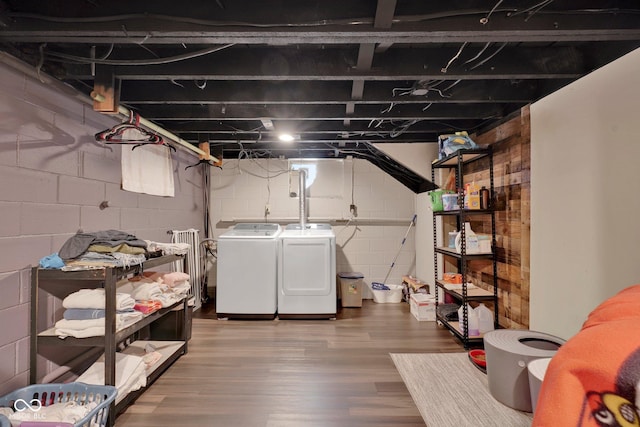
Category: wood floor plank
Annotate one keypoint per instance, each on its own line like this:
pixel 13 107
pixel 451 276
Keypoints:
pixel 286 373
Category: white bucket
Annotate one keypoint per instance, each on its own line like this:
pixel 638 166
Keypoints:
pixel 537 369
pixel 391 295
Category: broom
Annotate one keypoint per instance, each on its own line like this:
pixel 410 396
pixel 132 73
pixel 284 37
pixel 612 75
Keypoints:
pixel 404 239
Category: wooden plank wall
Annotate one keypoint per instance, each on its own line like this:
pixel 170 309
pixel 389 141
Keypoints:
pixel 511 144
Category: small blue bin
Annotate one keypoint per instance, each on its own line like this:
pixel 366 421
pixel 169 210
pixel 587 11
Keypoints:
pixel 48 394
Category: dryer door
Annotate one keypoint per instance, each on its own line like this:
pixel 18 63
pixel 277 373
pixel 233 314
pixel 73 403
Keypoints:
pixel 306 266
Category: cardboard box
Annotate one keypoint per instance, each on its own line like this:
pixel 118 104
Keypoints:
pixel 423 307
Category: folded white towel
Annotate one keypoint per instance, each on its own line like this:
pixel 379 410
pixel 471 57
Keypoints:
pixel 146 290
pixel 169 299
pixel 168 248
pixel 170 279
pixel 94 331
pixel 93 327
pixel 130 374
pixel 182 289
pixel 95 298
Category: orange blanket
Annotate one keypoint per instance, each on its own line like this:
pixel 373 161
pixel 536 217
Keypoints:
pixel 594 379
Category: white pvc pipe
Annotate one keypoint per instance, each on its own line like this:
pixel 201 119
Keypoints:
pixel 226 222
pixel 302 196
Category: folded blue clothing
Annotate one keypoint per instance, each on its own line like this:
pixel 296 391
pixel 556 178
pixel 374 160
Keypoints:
pixel 52 261
pixel 380 286
pixel 88 313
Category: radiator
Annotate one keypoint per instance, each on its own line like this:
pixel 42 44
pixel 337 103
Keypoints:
pixel 195 262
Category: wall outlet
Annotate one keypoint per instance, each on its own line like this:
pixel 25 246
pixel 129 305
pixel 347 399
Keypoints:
pixel 353 209
pixel 267 210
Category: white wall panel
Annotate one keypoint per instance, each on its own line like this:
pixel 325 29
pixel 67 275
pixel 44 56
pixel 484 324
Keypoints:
pixel 584 178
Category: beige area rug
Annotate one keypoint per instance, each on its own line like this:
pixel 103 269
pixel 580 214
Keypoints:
pixel 449 391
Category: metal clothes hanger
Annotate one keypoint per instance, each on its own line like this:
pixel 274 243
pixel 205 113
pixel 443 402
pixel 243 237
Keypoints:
pixel 135 135
pixel 205 159
pixel 205 162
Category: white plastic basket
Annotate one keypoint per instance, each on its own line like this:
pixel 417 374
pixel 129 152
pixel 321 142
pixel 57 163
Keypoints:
pixel 49 394
pixel 392 295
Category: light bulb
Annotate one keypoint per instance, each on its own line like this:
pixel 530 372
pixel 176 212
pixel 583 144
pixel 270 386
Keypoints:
pixel 286 137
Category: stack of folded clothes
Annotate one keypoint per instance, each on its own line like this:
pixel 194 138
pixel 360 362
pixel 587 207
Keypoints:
pixel 109 248
pixel 151 289
pixel 84 314
pixel 176 282
pixel 168 248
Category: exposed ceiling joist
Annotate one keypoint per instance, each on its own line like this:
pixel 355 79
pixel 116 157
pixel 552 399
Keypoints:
pixel 167 30
pixel 342 75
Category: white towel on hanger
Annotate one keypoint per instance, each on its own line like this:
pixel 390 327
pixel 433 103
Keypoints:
pixel 147 169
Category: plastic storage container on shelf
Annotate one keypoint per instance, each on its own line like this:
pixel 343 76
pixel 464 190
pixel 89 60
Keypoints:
pixel 485 318
pixel 450 202
pixel 436 200
pixel 80 393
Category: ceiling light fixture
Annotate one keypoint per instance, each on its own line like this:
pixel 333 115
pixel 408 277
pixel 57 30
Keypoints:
pixel 286 137
pixel 267 123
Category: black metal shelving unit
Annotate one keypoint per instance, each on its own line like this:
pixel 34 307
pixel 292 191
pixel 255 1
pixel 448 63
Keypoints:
pixel 458 161
pixel 61 283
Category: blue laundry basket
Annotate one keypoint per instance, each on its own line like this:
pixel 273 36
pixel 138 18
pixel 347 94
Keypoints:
pixel 48 394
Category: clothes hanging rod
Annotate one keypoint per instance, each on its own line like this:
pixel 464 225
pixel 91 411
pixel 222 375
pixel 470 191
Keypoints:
pixel 124 111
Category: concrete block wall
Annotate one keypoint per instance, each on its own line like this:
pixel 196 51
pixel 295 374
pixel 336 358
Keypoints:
pixel 54 177
pixel 368 244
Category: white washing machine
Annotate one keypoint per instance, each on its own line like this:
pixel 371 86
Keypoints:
pixel 307 272
pixel 247 265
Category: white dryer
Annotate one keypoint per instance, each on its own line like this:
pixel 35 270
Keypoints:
pixel 247 267
pixel 307 272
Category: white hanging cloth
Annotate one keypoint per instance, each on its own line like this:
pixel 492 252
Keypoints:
pixel 147 169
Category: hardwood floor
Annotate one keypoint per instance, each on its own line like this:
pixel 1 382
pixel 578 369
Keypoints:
pixel 292 373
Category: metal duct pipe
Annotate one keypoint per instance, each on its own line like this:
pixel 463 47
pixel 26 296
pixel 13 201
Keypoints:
pixel 302 196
